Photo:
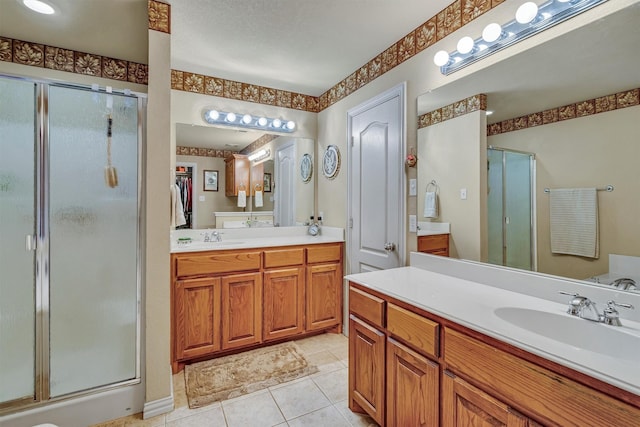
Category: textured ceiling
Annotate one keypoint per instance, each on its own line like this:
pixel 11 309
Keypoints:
pixel 301 46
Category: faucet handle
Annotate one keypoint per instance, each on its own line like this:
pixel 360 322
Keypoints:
pixel 610 315
pixel 577 303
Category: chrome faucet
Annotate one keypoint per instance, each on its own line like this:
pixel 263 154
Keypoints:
pixel 584 308
pixel 215 236
pixel 624 283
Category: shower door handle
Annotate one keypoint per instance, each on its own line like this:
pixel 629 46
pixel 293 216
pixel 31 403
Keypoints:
pixel 30 243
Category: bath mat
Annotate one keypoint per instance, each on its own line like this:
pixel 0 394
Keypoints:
pixel 243 373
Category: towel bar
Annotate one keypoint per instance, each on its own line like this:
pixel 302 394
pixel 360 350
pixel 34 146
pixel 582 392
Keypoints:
pixel 608 188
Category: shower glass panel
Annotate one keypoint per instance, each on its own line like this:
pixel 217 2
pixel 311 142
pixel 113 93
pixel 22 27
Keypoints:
pixel 509 205
pixel 93 240
pixel 17 223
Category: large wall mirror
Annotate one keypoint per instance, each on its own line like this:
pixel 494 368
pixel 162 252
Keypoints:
pixel 574 101
pixel 275 193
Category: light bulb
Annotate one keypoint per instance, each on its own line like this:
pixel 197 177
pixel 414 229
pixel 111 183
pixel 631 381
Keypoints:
pixel 39 6
pixel 231 117
pixel 465 45
pixel 262 121
pixel 491 32
pixel 291 125
pixel 441 58
pixel 246 119
pixel 213 115
pixel 526 12
pixel 276 123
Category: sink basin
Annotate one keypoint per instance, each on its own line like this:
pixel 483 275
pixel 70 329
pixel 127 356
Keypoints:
pixel 573 331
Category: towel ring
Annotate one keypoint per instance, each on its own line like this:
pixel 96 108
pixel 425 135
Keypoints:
pixel 241 186
pixel 258 187
pixel 433 184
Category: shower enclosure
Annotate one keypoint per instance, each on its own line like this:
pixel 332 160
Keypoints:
pixel 70 243
pixel 511 208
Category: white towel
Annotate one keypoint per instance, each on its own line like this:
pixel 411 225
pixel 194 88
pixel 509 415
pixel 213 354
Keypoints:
pixel 430 204
pixel 177 211
pixel 573 217
pixel 258 199
pixel 242 199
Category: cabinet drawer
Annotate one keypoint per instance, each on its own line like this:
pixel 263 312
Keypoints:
pixel 415 330
pixel 553 399
pixel 213 262
pixel 324 253
pixel 366 306
pixel 283 257
pixel 436 242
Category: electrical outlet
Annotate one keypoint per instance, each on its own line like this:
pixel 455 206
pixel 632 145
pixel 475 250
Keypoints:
pixel 413 224
pixel 412 187
pixel 463 194
pixel 201 198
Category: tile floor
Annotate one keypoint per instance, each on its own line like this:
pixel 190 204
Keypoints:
pixel 319 400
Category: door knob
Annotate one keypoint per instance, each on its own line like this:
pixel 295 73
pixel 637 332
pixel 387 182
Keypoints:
pixel 389 247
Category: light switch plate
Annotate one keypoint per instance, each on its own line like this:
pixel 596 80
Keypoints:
pixel 201 198
pixel 463 194
pixel 413 224
pixel 412 187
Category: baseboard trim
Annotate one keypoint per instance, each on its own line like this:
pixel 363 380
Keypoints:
pixel 158 407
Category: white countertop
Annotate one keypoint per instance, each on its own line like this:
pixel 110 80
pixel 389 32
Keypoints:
pixel 472 304
pixel 428 228
pixel 247 238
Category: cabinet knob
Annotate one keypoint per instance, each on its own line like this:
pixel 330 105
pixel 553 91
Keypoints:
pixel 389 247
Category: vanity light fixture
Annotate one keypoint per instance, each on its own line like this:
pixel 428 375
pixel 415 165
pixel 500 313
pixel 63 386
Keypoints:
pixel 39 6
pixel 259 155
pixel 530 19
pixel 216 117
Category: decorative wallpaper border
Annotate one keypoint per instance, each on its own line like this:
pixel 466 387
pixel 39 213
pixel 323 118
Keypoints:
pixel 451 111
pixel 203 152
pixel 445 22
pixel 159 16
pixel 215 86
pixel 263 140
pixel 57 58
pixel 576 110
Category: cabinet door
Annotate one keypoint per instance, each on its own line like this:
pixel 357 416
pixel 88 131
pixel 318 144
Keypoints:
pixel 324 292
pixel 413 384
pixel 197 317
pixel 283 302
pixel 241 310
pixel 465 405
pixel 366 369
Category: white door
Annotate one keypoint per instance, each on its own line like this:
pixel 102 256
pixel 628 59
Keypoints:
pixel 376 183
pixel 284 192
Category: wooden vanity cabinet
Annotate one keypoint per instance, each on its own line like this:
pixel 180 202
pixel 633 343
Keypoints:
pixel 223 301
pixel 435 244
pixel 197 316
pixel 323 287
pixel 236 174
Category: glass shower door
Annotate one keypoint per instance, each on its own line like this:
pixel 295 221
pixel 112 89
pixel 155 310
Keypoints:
pixel 93 240
pixel 17 227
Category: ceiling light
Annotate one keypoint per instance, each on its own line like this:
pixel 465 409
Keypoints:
pixel 213 115
pixel 488 112
pixel 291 125
pixel 492 32
pixel 276 123
pixel 465 45
pixel 441 58
pixel 526 12
pixel 259 155
pixel 530 19
pixel 262 121
pixel 246 119
pixel 39 6
pixel 231 117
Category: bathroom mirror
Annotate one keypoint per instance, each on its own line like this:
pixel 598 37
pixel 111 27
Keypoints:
pixel 597 148
pixel 286 199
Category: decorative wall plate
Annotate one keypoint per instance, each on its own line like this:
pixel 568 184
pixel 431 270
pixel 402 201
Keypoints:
pixel 331 162
pixel 306 167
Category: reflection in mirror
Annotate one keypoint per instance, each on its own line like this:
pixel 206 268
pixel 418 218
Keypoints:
pixel 245 193
pixel 573 104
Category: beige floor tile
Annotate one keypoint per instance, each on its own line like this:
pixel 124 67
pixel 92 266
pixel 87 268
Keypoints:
pixel 137 421
pixel 356 420
pixel 113 423
pixel 334 385
pixel 211 418
pixel 255 410
pixel 299 398
pixel 324 417
pixel 326 361
pixel 322 342
pixel 182 408
pixel 342 352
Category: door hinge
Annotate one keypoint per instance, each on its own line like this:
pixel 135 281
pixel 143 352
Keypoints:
pixel 350 222
pixel 352 141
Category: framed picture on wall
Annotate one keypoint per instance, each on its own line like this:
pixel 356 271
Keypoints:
pixel 267 182
pixel 210 181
